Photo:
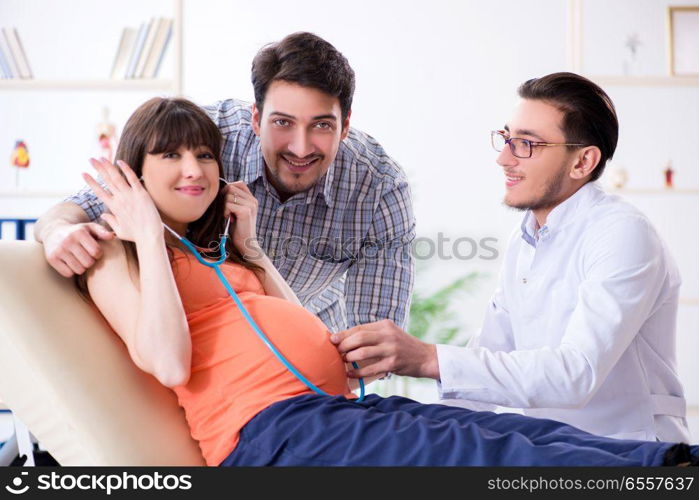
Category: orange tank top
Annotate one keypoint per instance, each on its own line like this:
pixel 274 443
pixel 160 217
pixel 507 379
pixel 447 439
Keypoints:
pixel 234 374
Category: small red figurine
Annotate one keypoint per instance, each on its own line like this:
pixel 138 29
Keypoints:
pixel 668 175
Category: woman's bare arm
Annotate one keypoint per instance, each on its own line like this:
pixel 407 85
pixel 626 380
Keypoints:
pixel 144 308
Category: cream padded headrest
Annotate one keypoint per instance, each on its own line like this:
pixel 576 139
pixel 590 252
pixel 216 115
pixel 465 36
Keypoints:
pixel 69 377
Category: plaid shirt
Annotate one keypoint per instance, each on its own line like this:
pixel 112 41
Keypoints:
pixel 344 246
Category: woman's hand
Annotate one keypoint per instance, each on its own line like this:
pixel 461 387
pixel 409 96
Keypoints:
pixel 133 216
pixel 241 203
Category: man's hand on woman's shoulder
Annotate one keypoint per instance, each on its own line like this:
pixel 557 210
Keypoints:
pixel 73 248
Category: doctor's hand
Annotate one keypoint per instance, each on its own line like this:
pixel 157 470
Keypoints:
pixel 241 203
pixel 133 215
pixel 383 347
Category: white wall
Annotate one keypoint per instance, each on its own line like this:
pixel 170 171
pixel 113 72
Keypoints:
pixel 432 80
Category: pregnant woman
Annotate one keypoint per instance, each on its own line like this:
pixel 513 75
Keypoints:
pixel 243 406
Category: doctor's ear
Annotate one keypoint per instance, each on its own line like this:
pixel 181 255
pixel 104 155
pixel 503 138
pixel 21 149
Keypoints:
pixel 587 160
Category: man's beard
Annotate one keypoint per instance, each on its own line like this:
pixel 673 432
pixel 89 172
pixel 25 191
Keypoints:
pixel 283 186
pixel 549 199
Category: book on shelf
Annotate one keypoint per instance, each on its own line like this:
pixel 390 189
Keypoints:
pixel 140 52
pixel 136 53
pixel 7 53
pixel 17 52
pixel 155 58
pixel 5 71
pixel 147 46
pixel 126 46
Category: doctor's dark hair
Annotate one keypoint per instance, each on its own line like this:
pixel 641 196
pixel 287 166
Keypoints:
pixel 307 60
pixel 163 125
pixel 589 116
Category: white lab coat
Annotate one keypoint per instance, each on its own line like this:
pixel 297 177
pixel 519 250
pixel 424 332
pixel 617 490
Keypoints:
pixel 582 327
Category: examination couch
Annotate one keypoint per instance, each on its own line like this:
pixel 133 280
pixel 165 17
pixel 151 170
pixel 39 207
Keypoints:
pixel 67 376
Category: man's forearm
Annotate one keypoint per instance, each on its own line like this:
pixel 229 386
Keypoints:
pixel 63 213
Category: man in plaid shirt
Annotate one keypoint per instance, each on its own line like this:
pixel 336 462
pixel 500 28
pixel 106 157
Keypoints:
pixel 334 210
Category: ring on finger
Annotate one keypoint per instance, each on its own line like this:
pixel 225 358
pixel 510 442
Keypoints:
pixel 235 199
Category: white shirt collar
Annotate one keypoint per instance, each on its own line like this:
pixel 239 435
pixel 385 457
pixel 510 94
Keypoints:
pixel 563 214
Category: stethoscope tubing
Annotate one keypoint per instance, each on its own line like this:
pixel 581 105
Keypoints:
pixel 234 296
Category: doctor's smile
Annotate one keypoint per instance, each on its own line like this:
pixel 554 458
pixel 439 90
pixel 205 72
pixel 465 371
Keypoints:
pixel 512 180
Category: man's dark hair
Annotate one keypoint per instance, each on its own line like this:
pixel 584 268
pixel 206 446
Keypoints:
pixel 307 60
pixel 589 116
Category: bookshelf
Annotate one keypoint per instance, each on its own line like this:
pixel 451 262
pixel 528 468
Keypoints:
pixel 173 84
pixel 576 59
pixel 93 84
pixel 58 110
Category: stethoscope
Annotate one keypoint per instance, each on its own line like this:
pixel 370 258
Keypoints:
pixel 216 267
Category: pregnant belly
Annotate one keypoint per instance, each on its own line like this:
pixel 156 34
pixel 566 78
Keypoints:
pixel 222 339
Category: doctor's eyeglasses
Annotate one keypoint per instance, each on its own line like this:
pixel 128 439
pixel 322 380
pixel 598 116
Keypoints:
pixel 521 148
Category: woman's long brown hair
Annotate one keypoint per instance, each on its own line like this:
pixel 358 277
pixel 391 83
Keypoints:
pixel 163 125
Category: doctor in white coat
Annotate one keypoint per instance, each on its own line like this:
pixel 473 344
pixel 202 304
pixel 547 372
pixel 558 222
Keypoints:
pixel 582 326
